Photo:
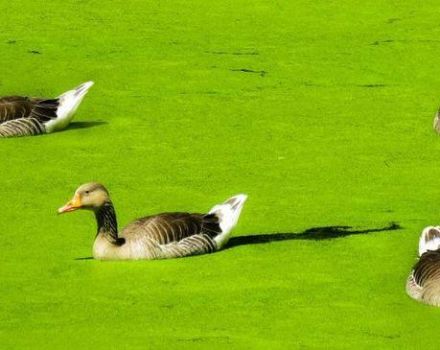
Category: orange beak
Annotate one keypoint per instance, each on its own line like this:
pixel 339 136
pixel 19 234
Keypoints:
pixel 74 204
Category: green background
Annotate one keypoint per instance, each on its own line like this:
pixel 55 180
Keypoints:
pixel 320 111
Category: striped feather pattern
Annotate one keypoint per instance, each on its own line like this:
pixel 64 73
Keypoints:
pixel 172 235
pixel 107 223
pixel 171 227
pixel 21 127
pixel 23 116
pixel 424 282
pixel 193 245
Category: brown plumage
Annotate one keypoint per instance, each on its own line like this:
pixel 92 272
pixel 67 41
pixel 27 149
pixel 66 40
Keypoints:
pixel 423 284
pixel 25 116
pixel 15 107
pixel 166 235
pixel 21 116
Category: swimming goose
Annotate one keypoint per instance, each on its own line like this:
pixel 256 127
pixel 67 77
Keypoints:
pixel 24 116
pixel 424 281
pixel 162 236
pixel 437 122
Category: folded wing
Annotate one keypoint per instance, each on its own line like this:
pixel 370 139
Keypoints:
pixel 176 234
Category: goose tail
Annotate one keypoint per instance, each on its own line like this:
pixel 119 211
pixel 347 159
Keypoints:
pixel 67 105
pixel 228 214
pixel 429 239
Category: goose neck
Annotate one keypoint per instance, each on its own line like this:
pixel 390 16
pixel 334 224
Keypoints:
pixel 107 224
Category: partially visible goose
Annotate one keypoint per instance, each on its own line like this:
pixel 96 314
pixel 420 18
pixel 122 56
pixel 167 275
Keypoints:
pixel 24 116
pixel 437 122
pixel 424 281
pixel 162 236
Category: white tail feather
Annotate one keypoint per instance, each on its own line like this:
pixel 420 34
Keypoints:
pixel 68 104
pixel 429 239
pixel 228 214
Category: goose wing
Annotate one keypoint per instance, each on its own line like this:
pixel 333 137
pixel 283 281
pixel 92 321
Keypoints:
pixel 17 107
pixel 23 116
pixel 424 282
pixel 167 228
pixel 427 269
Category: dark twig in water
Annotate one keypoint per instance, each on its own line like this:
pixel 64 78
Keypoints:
pixel 245 70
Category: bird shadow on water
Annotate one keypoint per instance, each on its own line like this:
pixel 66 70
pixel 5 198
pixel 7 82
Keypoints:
pixel 85 124
pixel 312 234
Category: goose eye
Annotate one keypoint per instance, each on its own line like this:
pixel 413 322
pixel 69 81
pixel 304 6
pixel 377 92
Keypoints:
pixel 87 192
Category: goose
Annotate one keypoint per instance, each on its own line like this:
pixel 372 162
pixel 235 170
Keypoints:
pixel 436 124
pixel 161 236
pixel 423 283
pixel 25 116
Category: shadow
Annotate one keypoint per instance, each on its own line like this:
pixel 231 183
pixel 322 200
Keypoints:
pixel 372 85
pixel 314 234
pixel 85 125
pixel 85 258
pixel 262 73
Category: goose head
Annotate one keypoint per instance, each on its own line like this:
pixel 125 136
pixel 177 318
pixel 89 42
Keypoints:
pixel 90 196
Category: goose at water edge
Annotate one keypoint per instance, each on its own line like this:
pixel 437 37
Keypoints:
pixel 162 236
pixel 423 283
pixel 25 116
pixel 436 123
